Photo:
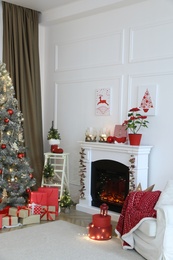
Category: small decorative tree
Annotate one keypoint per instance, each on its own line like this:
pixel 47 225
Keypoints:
pixel 65 200
pixel 53 133
pixel 48 171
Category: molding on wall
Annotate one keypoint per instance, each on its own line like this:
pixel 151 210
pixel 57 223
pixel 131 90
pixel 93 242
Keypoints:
pixel 151 35
pixel 88 79
pixel 56 106
pixel 121 91
pixel 56 58
pixel 81 46
pixel 132 76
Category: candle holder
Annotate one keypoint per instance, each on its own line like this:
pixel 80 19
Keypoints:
pixel 104 133
pixel 90 135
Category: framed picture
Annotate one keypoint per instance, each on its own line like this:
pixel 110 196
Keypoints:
pixel 147 99
pixel 103 98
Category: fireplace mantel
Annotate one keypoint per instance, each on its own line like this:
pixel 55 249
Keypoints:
pixel 118 152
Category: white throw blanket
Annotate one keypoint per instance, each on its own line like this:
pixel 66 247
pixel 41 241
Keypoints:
pixel 138 206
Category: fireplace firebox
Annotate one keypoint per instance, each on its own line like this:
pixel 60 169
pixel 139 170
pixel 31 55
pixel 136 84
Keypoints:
pixel 109 184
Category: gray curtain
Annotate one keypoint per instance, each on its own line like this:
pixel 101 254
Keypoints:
pixel 21 55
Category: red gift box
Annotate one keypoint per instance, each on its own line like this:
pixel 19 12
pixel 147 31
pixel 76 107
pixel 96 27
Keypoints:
pixel 38 197
pixel 1 215
pixel 48 213
pixel 35 209
pixel 5 210
pixel 52 196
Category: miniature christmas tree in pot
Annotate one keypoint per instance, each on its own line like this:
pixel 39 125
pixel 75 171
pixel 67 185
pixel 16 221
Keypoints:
pixel 53 135
pixel 65 201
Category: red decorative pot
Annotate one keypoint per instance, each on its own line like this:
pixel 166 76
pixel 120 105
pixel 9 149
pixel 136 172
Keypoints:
pixel 135 139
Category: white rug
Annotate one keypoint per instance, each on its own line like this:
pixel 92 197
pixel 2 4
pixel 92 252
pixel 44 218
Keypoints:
pixel 59 240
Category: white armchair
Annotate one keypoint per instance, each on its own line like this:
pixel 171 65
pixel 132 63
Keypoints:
pixel 139 229
pixel 153 238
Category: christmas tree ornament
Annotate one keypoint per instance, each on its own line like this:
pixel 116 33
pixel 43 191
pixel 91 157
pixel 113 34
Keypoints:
pixel 28 190
pixel 4 196
pixel 6 120
pixel 20 155
pixel 3 99
pixel 10 111
pixel 3 146
pixel 8 132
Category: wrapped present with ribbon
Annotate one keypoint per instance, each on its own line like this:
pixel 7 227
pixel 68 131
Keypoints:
pixel 9 221
pixel 52 196
pixel 33 219
pixel 38 197
pixel 21 212
pixel 35 209
pixel 48 213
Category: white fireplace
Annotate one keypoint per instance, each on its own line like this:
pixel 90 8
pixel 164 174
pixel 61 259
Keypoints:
pixel 95 151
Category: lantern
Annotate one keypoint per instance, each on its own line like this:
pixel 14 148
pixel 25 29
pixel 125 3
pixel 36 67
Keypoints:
pixel 101 228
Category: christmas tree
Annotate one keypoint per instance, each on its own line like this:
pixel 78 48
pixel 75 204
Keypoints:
pixel 16 175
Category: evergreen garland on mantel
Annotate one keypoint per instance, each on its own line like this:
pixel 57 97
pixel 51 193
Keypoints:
pixel 82 173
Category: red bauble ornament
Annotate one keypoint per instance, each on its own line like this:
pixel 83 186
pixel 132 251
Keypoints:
pixel 0 171
pixel 20 155
pixel 6 120
pixel 110 139
pixel 10 111
pixel 3 146
pixel 28 190
pixel 31 175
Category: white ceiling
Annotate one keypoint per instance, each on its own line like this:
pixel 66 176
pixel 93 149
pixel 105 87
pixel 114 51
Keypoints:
pixel 40 5
pixel 45 5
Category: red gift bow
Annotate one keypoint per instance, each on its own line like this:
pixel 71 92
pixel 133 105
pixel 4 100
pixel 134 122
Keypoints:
pixel 22 207
pixel 46 211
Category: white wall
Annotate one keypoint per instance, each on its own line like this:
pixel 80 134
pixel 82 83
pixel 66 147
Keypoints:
pixel 98 52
